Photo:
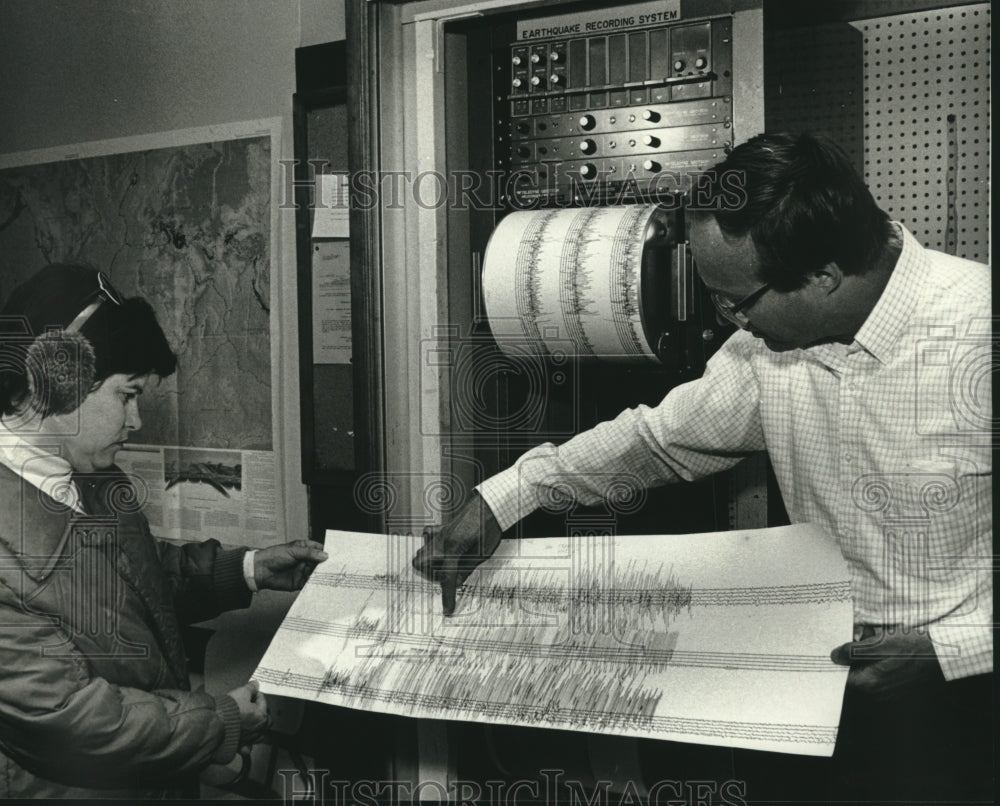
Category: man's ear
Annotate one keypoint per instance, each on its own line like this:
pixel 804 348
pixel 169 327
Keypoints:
pixel 826 279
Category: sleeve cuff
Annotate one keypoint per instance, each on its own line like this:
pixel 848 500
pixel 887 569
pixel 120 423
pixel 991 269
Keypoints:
pixel 227 578
pixel 491 491
pixel 229 712
pixel 962 650
pixel 512 494
pixel 248 571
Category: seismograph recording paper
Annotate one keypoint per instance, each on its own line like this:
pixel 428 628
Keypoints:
pixel 719 638
pixel 569 281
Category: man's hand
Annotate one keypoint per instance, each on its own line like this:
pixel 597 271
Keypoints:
pixel 451 552
pixel 888 662
pixel 253 712
pixel 286 567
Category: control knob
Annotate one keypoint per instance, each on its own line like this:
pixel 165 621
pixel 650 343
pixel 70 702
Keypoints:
pixel 587 122
pixel 679 65
pixel 652 166
pixel 535 58
pixel 535 81
pixel 554 78
pixel 700 62
pixel 588 171
pixel 588 146
pixel 516 60
pixel 515 83
pixel 651 115
pixel 650 140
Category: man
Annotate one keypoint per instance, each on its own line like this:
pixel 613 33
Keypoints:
pixel 861 366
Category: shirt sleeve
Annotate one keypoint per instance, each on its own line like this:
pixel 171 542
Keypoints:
pixel 66 724
pixel 698 429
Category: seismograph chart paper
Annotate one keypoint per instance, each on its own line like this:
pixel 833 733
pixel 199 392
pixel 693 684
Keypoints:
pixel 721 638
pixel 569 280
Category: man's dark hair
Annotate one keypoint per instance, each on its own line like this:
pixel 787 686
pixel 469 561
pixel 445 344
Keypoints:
pixel 50 367
pixel 802 202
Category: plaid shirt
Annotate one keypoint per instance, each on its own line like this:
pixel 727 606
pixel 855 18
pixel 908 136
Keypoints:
pixel 885 442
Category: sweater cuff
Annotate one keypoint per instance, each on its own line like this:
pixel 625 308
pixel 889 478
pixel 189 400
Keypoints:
pixel 229 712
pixel 230 587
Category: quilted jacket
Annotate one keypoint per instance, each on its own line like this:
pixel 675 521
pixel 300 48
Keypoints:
pixel 94 694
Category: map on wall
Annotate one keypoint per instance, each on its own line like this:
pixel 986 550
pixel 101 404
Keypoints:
pixel 188 227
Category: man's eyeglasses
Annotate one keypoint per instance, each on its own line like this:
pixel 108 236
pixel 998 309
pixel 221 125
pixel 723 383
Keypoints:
pixel 104 292
pixel 733 311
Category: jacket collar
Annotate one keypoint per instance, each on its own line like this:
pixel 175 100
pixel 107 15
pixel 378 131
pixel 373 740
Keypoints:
pixel 39 500
pixel 35 528
pixel 40 465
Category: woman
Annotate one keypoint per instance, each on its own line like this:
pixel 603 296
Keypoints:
pixel 94 692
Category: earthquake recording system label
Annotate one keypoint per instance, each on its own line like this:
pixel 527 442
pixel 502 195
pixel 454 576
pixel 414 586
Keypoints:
pixel 621 18
pixel 569 282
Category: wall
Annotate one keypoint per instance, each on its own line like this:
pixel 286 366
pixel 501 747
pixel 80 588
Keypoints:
pixel 321 21
pixel 77 71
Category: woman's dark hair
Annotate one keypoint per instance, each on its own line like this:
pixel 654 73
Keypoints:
pixel 50 361
pixel 802 202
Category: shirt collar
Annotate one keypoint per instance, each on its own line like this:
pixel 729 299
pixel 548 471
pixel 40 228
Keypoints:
pixel 41 468
pixel 894 309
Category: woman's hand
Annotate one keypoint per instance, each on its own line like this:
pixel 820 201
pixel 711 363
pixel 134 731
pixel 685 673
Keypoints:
pixel 286 567
pixel 254 718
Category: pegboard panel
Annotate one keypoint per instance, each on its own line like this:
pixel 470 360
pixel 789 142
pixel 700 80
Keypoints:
pixel 813 82
pixel 926 124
